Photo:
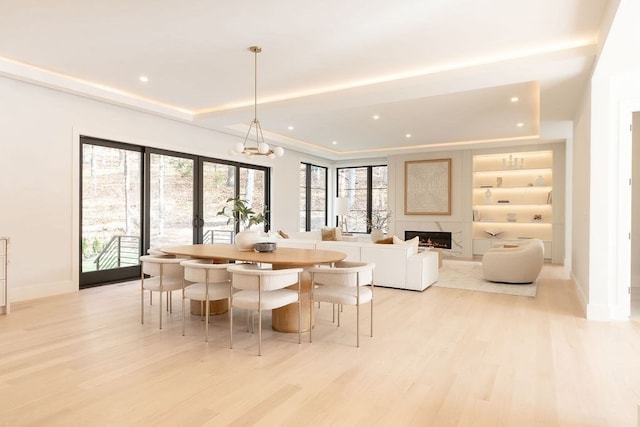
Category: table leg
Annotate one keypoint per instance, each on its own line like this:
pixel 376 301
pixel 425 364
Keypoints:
pixel 215 307
pixel 285 319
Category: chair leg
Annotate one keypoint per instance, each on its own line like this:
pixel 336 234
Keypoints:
pixel 250 327
pixel 183 319
pixel 371 327
pixel 358 324
pixel 206 322
pixel 160 307
pixel 259 331
pixel 230 322
pixel 299 318
pixel 310 317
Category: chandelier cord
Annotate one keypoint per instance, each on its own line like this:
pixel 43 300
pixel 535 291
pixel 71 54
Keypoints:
pixel 261 147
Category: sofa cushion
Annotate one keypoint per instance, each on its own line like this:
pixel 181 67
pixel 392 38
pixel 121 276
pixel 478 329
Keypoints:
pixel 351 249
pixel 385 241
pixel 306 235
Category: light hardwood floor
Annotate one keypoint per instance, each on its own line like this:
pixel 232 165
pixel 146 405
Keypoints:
pixel 438 358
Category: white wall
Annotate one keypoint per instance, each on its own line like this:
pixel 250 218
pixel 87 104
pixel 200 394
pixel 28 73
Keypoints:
pixel 635 217
pixel 39 176
pixel 614 87
pixel 285 188
pixel 580 200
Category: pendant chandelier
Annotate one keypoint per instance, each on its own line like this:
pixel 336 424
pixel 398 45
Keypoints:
pixel 256 147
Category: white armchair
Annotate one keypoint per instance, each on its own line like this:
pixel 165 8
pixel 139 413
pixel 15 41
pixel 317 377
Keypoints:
pixel 519 264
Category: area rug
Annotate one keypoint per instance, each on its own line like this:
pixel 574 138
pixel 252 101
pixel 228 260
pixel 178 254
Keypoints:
pixel 467 275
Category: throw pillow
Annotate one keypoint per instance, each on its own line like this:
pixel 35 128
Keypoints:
pixel 283 234
pixel 385 241
pixel 338 233
pixel 414 243
pixel 329 234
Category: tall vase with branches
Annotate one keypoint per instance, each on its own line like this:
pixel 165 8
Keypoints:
pixel 240 211
pixel 378 223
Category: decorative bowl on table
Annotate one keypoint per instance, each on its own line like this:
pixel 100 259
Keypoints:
pixel 265 246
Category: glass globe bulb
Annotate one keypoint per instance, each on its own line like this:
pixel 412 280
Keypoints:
pixel 263 148
pixel 238 147
pixel 278 151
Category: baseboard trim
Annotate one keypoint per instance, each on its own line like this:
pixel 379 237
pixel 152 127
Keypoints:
pixel 582 298
pixel 41 290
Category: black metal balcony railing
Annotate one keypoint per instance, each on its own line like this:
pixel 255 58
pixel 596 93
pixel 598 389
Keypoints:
pixel 124 251
pixel 218 236
pixel 121 251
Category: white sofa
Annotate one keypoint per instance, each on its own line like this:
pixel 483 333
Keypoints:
pixel 397 266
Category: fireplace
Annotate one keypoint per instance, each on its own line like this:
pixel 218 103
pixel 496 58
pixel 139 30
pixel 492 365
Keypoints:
pixel 436 239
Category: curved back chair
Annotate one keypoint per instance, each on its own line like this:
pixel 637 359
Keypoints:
pixel 158 251
pixel 344 284
pixel 204 282
pixel 166 275
pixel 263 289
pixel 520 264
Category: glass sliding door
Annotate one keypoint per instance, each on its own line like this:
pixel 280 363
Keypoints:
pixel 218 185
pixel 133 198
pixel 110 211
pixel 252 188
pixel 171 200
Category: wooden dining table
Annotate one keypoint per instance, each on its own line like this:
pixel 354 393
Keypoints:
pixel 283 319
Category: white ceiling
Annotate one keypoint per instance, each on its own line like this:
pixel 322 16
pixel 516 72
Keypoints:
pixel 442 70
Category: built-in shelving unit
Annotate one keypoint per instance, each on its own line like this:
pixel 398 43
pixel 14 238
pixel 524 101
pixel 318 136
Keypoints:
pixel 512 199
pixel 4 297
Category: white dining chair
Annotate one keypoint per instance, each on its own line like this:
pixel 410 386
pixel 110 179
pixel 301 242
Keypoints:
pixel 261 289
pixel 165 275
pixel 346 283
pixel 204 282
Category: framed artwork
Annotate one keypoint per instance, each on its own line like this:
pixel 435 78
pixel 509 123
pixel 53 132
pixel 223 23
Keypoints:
pixel 427 187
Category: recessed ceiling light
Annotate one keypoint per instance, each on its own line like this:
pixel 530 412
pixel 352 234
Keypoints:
pixel 520 125
pixel 375 117
pixel 144 79
pixel 408 135
pixel 515 99
pixel 290 128
pixel 334 142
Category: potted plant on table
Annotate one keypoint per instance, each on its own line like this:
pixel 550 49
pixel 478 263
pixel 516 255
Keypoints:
pixel 379 222
pixel 241 212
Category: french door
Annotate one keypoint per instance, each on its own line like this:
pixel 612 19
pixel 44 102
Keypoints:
pixel 171 196
pixel 134 198
pixel 110 211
